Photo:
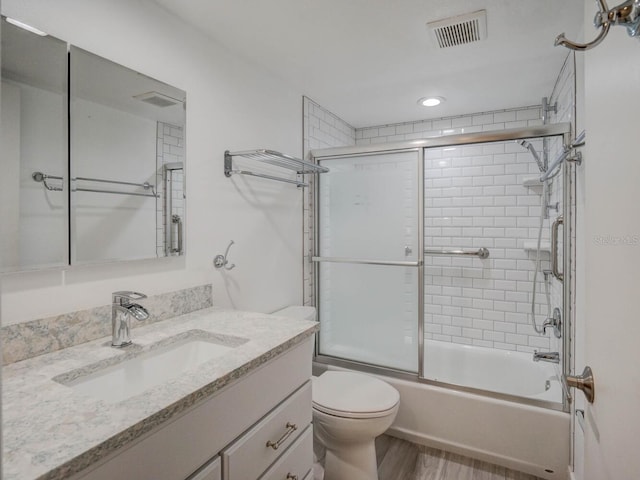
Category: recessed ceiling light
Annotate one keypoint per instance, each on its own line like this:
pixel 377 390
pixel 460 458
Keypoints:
pixel 24 26
pixel 430 101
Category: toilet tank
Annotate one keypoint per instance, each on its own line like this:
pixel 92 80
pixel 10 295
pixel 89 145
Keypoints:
pixel 298 312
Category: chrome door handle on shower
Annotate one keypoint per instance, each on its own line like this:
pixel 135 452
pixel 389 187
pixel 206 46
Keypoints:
pixel 222 261
pixel 554 248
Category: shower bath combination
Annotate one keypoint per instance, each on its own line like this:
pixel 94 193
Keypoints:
pixel 379 302
pixel 421 308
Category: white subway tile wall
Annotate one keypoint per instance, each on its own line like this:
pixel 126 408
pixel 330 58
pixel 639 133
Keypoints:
pixel 321 129
pixel 479 122
pixel 170 149
pixel 474 197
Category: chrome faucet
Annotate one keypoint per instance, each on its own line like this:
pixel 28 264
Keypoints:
pixel 122 309
pixel 552 357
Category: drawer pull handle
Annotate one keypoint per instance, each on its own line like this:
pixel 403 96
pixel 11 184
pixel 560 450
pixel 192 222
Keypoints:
pixel 291 476
pixel 291 427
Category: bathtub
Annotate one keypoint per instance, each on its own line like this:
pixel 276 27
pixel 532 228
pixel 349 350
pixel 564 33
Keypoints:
pixel 527 438
pixel 502 371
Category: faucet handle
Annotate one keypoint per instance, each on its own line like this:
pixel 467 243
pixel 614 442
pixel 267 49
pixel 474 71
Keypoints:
pixel 118 297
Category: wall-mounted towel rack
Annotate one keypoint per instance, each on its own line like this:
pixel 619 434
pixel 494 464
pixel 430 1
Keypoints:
pixel 146 185
pixel 272 158
pixel 43 177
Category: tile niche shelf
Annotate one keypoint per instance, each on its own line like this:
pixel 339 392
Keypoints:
pixel 532 182
pixel 277 159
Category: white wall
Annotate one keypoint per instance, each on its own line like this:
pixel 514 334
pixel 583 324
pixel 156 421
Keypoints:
pixel 231 105
pixel 43 219
pixel 34 139
pixel 10 178
pixel 112 144
pixel 611 254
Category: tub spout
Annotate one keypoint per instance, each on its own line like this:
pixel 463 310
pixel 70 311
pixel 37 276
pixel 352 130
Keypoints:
pixel 552 357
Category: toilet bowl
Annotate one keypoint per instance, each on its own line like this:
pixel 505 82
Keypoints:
pixel 349 411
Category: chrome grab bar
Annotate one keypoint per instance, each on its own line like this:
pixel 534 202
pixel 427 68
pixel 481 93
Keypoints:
pixel 481 252
pixel 177 221
pixel 365 262
pixel 554 248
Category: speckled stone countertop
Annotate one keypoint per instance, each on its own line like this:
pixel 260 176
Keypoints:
pixel 51 432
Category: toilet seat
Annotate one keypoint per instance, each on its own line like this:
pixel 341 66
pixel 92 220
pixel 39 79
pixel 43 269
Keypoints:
pixel 353 395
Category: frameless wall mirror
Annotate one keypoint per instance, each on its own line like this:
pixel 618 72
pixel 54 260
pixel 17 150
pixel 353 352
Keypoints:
pixel 92 158
pixel 127 163
pixel 33 214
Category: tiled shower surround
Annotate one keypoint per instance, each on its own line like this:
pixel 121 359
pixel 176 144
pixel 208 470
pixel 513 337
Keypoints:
pixel 475 197
pixel 322 129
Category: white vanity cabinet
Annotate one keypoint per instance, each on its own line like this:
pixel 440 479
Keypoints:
pixel 225 436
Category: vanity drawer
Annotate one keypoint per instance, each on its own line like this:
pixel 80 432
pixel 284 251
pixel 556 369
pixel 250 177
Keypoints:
pixel 250 455
pixel 210 471
pixel 296 462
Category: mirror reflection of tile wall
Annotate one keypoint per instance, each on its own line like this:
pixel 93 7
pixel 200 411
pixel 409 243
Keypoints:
pixel 170 182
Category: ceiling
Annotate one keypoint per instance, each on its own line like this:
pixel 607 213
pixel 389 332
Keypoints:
pixel 369 61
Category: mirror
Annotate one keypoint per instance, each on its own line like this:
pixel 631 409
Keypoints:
pixel 34 218
pixel 92 160
pixel 127 163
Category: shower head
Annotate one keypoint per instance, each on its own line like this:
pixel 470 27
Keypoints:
pixel 533 152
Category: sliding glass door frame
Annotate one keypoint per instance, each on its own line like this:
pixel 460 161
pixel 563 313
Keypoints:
pixel 418 263
pixel 542 131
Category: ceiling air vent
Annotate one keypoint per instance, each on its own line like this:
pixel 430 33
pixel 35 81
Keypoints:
pixel 157 99
pixel 460 30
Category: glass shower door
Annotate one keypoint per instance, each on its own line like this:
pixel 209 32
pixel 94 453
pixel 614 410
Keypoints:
pixel 369 239
pixel 484 209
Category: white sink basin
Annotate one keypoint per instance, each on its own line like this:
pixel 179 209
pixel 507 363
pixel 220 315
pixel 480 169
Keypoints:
pixel 134 376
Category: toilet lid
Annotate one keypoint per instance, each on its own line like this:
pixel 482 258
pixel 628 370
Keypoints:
pixel 354 395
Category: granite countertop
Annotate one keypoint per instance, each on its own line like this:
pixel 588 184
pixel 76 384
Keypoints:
pixel 51 432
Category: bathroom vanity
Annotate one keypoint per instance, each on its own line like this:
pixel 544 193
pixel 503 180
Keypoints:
pixel 245 414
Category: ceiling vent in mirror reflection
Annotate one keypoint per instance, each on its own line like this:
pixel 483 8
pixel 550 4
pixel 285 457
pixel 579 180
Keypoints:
pixel 459 30
pixel 157 99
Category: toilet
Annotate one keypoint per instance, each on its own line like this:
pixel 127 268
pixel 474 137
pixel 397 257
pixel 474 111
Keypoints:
pixel 349 411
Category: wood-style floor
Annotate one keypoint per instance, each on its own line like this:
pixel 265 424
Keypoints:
pixel 402 460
